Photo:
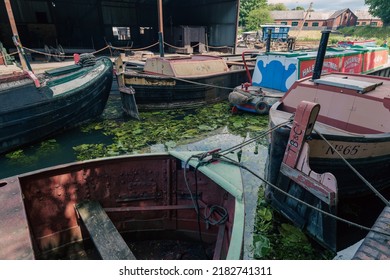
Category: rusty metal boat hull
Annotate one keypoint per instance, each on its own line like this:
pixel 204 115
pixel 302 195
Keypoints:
pixel 146 197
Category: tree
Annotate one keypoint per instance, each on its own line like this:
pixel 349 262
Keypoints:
pixel 258 17
pixel 277 7
pixel 298 8
pixel 380 8
pixel 248 5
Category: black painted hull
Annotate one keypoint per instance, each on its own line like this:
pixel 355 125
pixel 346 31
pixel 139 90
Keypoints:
pixel 354 196
pixel 154 92
pixel 29 114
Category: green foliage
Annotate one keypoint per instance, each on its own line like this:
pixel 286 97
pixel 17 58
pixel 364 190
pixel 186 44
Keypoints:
pixel 294 243
pixel 299 8
pixel 380 8
pixel 45 149
pixel 277 7
pixel 261 246
pixel 15 154
pixel 246 6
pixel 168 128
pixel 258 17
pixel 90 151
pixel 366 32
pixel 275 239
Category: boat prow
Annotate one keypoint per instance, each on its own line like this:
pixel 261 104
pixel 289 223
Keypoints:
pixel 155 206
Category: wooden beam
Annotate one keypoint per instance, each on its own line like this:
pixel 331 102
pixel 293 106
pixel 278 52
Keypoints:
pixel 105 236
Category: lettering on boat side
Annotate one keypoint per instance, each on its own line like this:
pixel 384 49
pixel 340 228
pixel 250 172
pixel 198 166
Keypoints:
pixel 294 139
pixel 345 150
pixel 352 62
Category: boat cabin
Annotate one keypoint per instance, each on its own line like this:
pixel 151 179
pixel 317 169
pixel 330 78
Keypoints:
pixel 186 66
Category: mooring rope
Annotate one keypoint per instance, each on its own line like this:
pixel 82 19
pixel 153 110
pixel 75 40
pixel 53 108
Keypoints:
pixel 46 54
pixel 132 49
pixel 200 84
pixel 175 47
pixel 254 139
pixel 377 193
pixel 221 155
pixel 218 156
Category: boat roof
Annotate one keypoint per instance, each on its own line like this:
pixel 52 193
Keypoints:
pixel 359 86
pixel 355 103
pixel 186 66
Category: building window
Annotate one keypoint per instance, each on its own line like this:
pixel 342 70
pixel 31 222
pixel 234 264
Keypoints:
pixel 294 23
pixel 144 29
pixel 357 23
pixel 314 24
pixel 363 23
pixel 305 24
pixel 122 33
pixel 283 22
pixel 374 23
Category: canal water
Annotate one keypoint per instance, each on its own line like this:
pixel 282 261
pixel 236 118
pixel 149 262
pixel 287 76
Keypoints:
pixel 61 149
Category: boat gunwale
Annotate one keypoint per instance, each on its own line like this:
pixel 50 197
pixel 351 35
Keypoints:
pixel 237 232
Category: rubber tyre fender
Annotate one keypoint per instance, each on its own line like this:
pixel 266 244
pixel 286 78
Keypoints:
pixel 262 107
pixel 234 110
pixel 87 59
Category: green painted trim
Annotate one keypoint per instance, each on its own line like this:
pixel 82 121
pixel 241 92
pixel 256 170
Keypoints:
pixel 226 175
pixel 287 54
pixel 237 238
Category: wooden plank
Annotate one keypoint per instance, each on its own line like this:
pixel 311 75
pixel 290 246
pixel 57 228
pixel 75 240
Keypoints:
pixel 105 236
pixel 15 238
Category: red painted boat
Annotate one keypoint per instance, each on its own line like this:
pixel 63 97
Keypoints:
pixel 177 205
pixel 350 139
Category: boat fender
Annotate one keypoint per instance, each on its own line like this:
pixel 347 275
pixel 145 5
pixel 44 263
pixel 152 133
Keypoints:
pixel 235 110
pixel 236 97
pixel 262 107
pixel 87 59
pixel 76 58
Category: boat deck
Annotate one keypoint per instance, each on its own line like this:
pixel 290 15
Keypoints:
pixel 376 246
pixel 15 242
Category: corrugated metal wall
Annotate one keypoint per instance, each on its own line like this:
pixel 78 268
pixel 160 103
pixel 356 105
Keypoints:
pixel 88 23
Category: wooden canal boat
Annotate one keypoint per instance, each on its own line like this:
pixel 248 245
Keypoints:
pixel 275 73
pixel 33 108
pixel 179 82
pixel 350 140
pixel 176 205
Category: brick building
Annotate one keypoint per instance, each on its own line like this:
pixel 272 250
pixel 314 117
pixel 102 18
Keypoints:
pixel 322 20
pixel 365 18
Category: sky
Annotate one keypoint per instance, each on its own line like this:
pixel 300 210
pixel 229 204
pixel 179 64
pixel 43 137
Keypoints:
pixel 324 5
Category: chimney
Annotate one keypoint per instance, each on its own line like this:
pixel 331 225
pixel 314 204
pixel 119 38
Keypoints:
pixel 268 44
pixel 321 54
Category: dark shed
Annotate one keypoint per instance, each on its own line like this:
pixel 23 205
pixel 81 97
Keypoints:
pixel 91 24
